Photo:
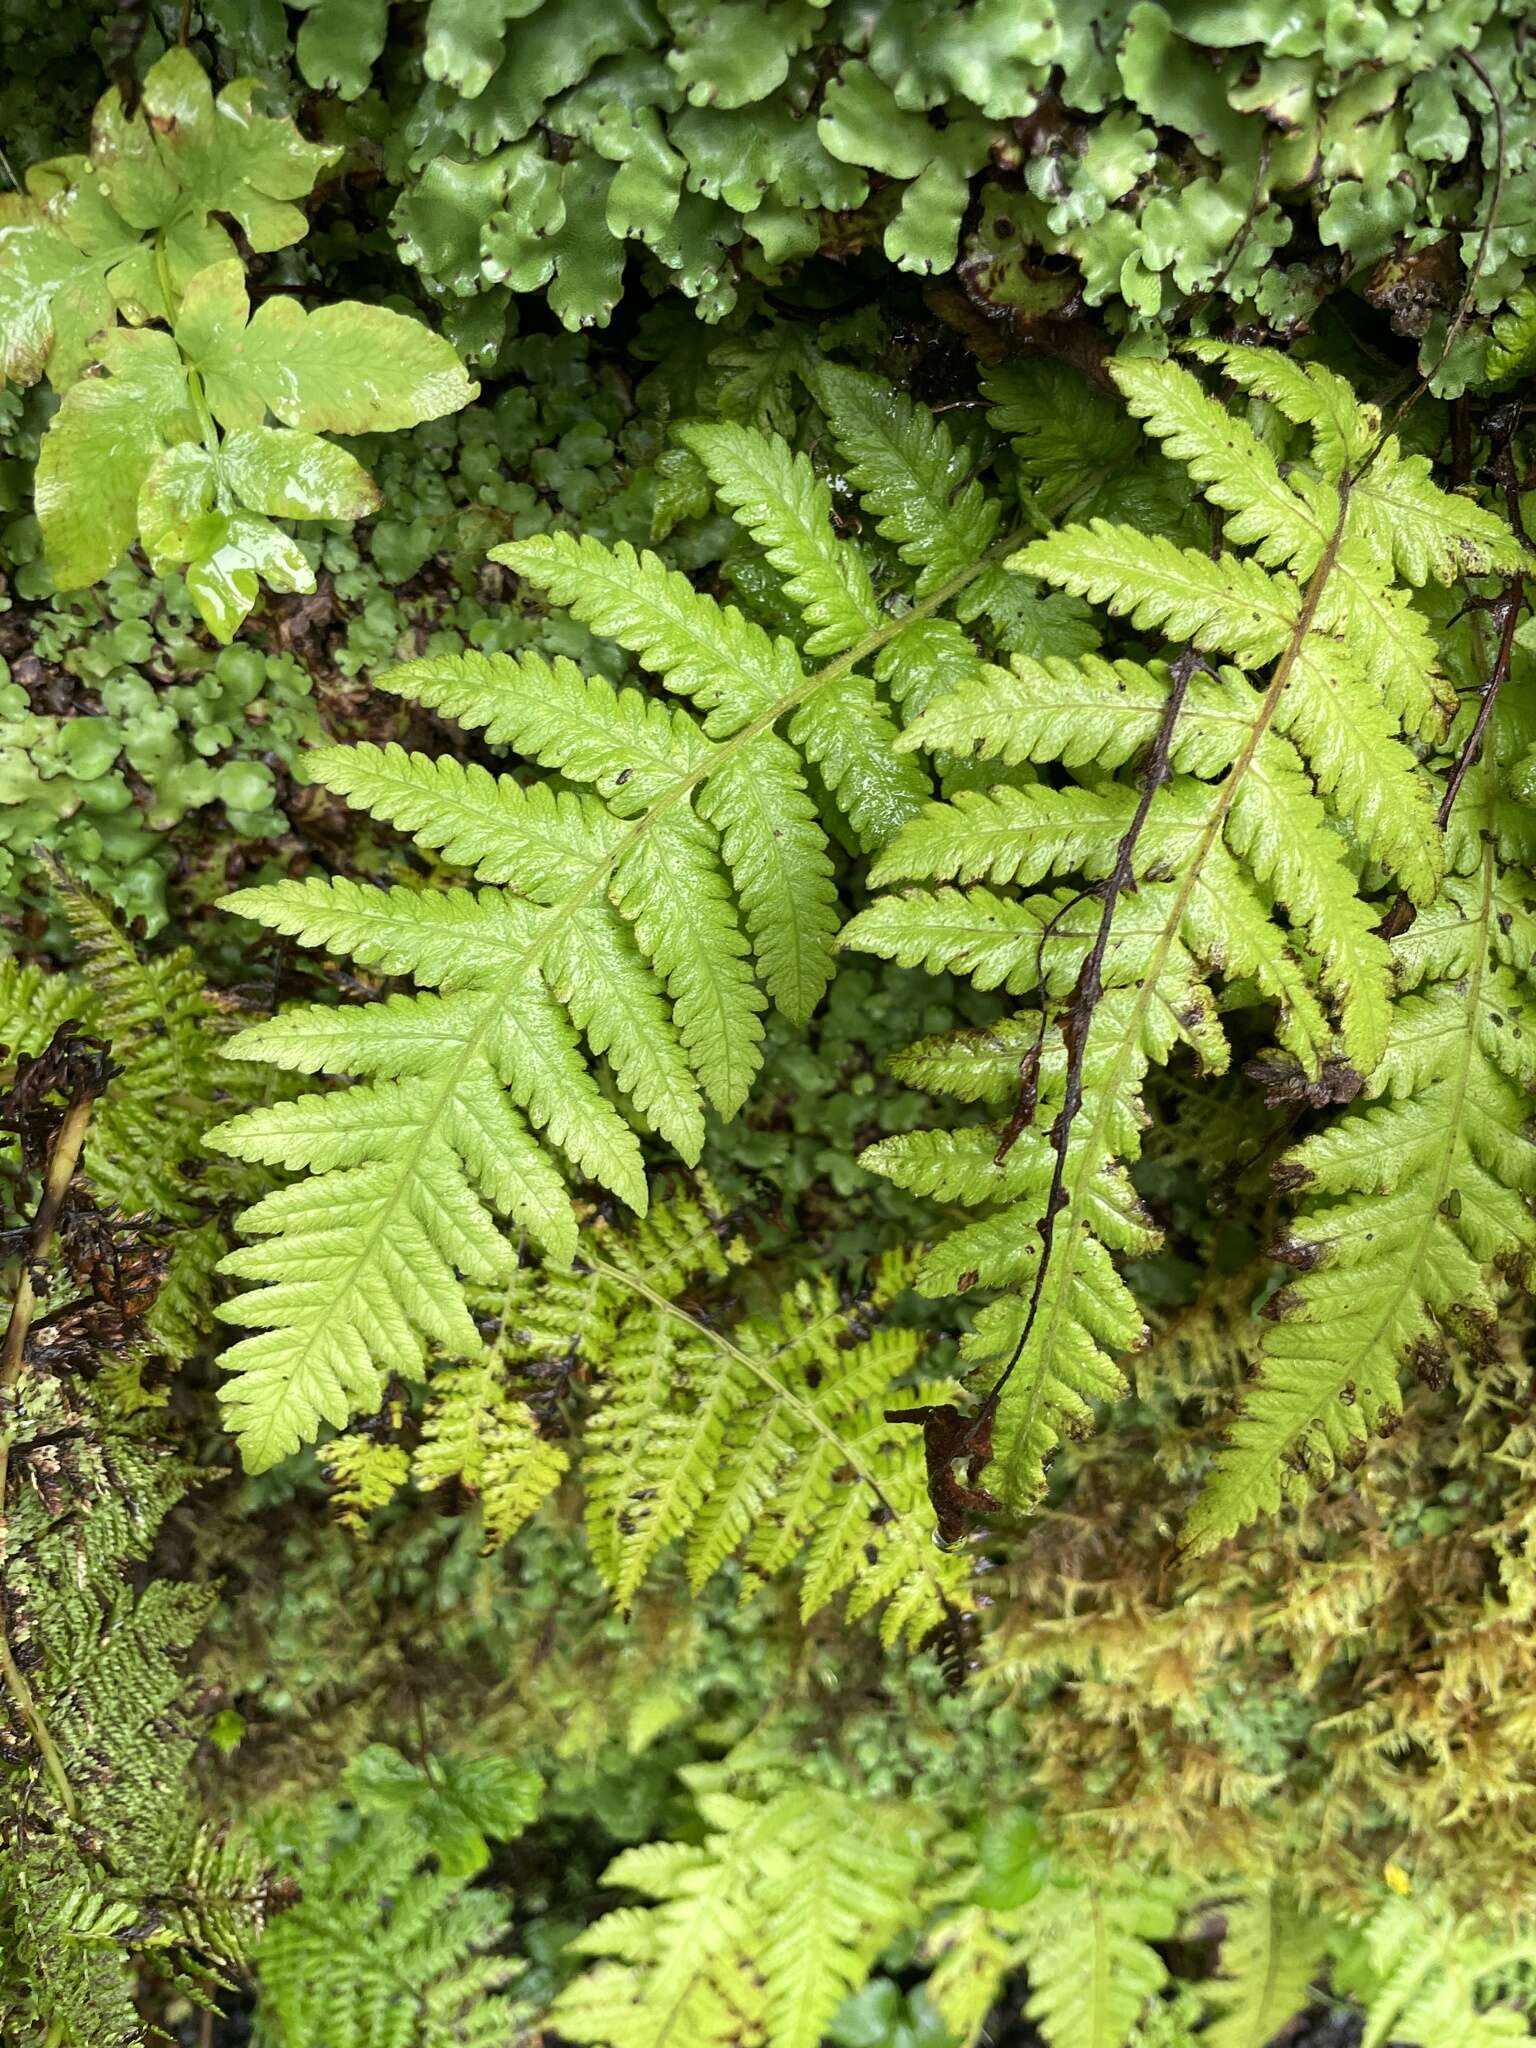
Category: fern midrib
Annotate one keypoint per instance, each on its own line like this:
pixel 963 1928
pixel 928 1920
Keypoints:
pixel 560 914
pixel 1094 1145
pixel 1268 2019
pixel 1099 2017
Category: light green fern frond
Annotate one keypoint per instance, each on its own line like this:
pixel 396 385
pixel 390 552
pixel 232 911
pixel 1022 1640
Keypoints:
pixel 760 1438
pixel 787 508
pixel 1271 1955
pixel 1427 1976
pixel 635 910
pixel 756 1934
pixel 1415 1198
pixel 485 1440
pixel 154 1013
pixel 768 1442
pixel 381 1951
pixel 1281 802
pixel 1088 1950
pixel 902 461
pixel 475 1428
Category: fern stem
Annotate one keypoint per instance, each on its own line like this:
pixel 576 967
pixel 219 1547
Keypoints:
pixel 1077 1024
pixel 63 1158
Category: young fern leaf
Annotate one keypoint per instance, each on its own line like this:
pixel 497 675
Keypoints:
pixel 1240 860
pixel 758 1933
pixel 763 1440
pixel 629 918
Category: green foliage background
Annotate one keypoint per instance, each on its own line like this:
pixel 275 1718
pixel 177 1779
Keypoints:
pixel 363 1749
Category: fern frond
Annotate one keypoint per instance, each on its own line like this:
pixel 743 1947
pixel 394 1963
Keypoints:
pixel 1081 713
pixel 1088 1948
pixel 164 1033
pixel 901 460
pixel 628 921
pixel 1309 394
pixel 1271 1953
pixel 1227 606
pixel 772 843
pixel 770 1442
pixel 1415 1196
pixel 758 1933
pixel 1233 467
pixel 779 499
pixel 764 1439
pixel 853 741
pixel 1429 533
pixel 380 1951
pixel 476 1435
pixel 1276 801
pixel 125 1877
pixel 1421 1976
pixel 704 650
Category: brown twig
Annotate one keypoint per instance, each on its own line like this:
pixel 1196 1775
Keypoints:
pixel 1076 1023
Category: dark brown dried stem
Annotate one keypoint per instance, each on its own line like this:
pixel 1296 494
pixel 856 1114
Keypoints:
pixel 1076 1022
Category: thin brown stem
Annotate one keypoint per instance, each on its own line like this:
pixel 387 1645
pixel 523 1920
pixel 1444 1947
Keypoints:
pixel 1076 1020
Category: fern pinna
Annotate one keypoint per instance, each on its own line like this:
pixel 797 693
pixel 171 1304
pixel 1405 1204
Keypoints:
pixel 668 877
pixel 1228 811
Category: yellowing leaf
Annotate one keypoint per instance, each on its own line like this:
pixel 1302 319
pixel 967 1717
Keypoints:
pixel 346 369
pixel 184 155
pixel 100 449
pixel 290 475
